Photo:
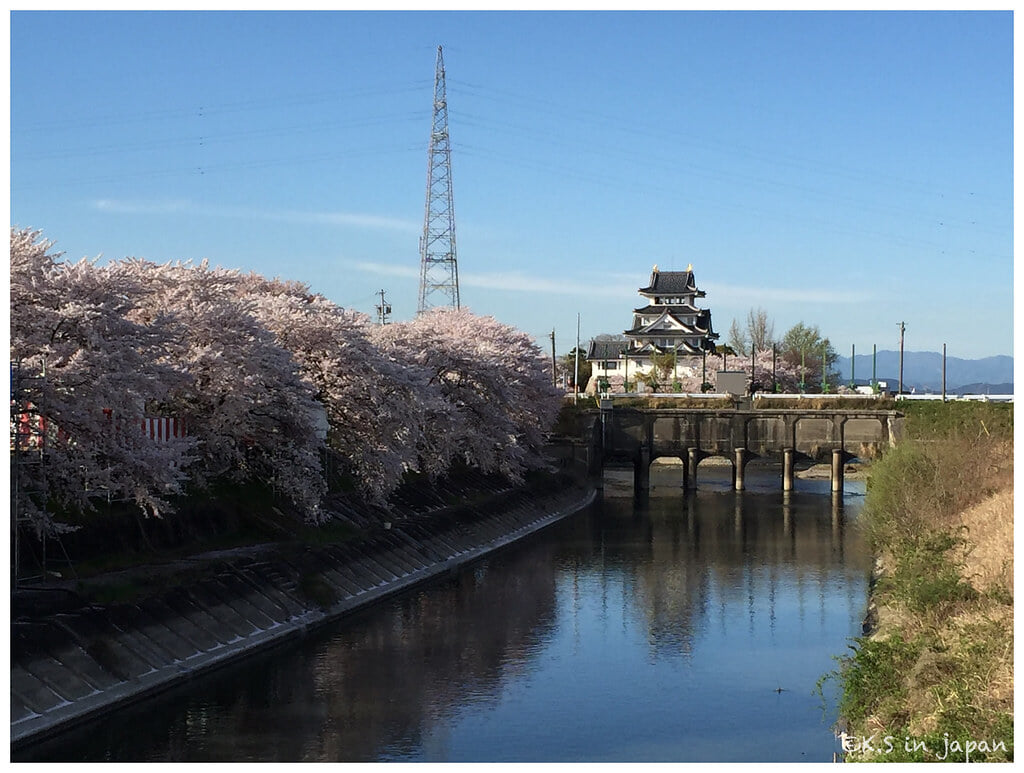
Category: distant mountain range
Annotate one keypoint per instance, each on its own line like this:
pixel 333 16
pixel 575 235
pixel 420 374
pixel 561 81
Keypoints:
pixel 922 371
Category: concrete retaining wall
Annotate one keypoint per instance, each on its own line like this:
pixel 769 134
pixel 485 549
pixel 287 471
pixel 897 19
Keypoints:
pixel 69 666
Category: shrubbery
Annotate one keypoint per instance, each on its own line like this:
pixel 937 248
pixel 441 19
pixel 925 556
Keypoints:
pixel 939 667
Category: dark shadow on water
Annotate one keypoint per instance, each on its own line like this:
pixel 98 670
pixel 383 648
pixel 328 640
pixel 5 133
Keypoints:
pixel 658 630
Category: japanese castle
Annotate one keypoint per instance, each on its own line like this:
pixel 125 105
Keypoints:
pixel 669 321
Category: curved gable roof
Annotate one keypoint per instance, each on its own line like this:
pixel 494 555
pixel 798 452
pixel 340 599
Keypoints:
pixel 671 282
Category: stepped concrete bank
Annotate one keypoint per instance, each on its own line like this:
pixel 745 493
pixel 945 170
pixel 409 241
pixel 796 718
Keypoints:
pixel 74 662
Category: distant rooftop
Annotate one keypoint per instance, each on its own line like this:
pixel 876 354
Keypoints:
pixel 606 350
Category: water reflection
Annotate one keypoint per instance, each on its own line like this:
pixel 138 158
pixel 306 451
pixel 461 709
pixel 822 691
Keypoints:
pixel 684 628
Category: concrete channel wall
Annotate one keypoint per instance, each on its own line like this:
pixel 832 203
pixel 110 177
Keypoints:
pixel 68 666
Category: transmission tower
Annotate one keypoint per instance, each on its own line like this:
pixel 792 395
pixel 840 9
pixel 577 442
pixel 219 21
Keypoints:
pixel 439 272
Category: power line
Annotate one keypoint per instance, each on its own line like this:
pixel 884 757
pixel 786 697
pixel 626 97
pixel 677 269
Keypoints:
pixel 647 159
pixel 676 136
pixel 197 168
pixel 680 195
pixel 233 136
pixel 122 116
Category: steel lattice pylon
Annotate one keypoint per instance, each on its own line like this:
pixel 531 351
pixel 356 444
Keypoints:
pixel 439 271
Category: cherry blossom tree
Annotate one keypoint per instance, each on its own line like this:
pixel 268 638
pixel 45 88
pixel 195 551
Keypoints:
pixel 372 402
pixel 498 400
pixel 251 414
pixel 84 371
pixel 263 373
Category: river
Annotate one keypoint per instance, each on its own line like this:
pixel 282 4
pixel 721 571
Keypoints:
pixel 688 627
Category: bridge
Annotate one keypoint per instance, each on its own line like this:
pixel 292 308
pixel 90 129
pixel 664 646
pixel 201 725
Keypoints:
pixel 789 436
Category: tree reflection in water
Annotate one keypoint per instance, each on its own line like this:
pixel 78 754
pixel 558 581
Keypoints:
pixel 660 631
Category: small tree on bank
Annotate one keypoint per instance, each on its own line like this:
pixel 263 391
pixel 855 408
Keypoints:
pixel 758 332
pixel 804 349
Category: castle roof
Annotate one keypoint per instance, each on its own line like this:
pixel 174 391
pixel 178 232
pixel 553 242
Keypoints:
pixel 671 283
pixel 606 350
pixel 675 308
pixel 683 347
pixel 668 324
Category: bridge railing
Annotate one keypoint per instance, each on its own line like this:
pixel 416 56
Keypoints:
pixel 659 395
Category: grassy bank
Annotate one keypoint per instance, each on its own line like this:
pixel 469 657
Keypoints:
pixel 934 678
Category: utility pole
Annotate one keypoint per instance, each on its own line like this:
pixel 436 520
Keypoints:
pixel 824 369
pixel 576 378
pixel 775 383
pixel 874 368
pixel 554 369
pixel 943 373
pixel 439 273
pixel 902 328
pixel 853 366
pixel 383 309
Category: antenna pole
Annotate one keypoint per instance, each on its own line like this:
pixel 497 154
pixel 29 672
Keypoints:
pixel 383 309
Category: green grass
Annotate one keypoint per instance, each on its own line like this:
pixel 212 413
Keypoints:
pixel 826 403
pixel 932 419
pixel 884 681
pixel 938 674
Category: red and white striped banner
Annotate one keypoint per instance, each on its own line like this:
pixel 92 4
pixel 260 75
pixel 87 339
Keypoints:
pixel 32 429
pixel 163 428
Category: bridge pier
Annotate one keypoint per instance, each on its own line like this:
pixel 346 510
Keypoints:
pixel 642 471
pixel 787 468
pixel 837 471
pixel 692 459
pixel 739 467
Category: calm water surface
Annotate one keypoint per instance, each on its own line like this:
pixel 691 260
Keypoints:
pixel 684 628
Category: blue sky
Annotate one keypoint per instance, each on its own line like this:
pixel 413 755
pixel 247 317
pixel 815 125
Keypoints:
pixel 849 170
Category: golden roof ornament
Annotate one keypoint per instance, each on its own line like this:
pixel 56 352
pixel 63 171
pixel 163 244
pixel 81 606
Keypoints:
pixel 689 267
pixel 655 268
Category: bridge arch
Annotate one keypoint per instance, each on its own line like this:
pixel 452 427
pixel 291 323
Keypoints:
pixel 865 437
pixel 668 473
pixel 814 437
pixel 766 436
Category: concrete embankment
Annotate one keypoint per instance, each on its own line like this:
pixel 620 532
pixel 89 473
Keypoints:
pixel 72 664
